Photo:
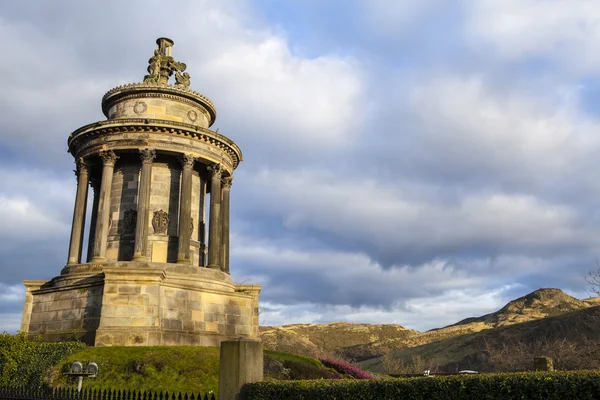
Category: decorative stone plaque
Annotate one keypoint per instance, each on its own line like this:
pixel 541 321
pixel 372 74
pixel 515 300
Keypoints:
pixel 192 115
pixel 140 107
pixel 160 222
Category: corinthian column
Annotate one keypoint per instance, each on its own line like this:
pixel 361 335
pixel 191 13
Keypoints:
pixel 109 158
pixel 214 228
pixel 226 188
pixel 185 209
pixel 95 184
pixel 78 213
pixel 143 204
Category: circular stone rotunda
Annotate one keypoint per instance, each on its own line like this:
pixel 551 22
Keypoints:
pixel 150 277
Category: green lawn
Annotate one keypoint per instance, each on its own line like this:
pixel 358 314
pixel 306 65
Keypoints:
pixel 174 369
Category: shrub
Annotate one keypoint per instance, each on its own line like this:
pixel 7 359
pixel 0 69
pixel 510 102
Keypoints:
pixel 578 385
pixel 25 362
pixel 346 368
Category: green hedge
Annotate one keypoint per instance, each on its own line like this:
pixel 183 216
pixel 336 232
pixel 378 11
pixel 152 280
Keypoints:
pixel 577 385
pixel 25 362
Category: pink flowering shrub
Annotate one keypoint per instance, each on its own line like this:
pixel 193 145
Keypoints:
pixel 346 368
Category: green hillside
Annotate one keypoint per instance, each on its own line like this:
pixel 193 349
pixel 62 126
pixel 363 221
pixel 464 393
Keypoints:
pixel 174 369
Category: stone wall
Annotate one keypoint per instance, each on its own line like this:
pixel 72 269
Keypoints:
pixel 63 313
pixel 160 108
pixel 123 208
pixel 164 198
pixel 142 304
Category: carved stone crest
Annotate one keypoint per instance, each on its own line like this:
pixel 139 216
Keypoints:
pixel 192 115
pixel 129 220
pixel 140 107
pixel 160 222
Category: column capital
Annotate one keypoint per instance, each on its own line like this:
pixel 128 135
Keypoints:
pixel 80 165
pixel 215 169
pixel 147 156
pixel 108 157
pixel 95 184
pixel 187 161
pixel 226 182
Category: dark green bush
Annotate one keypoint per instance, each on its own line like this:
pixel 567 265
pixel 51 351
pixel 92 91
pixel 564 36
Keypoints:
pixel 575 385
pixel 25 362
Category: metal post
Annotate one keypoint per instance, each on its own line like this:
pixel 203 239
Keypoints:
pixel 79 383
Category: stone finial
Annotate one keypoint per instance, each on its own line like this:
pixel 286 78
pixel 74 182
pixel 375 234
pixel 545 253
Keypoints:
pixel 147 156
pixel 108 157
pixel 226 182
pixel 215 169
pixel 162 65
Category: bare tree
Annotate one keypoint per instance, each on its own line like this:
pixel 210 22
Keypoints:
pixel 593 280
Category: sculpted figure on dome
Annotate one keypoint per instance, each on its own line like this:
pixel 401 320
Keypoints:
pixel 154 66
pixel 182 80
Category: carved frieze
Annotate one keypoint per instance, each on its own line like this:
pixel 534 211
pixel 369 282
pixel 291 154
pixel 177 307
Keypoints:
pixel 160 222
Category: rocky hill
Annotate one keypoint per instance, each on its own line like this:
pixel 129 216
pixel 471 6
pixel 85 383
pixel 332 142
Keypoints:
pixel 317 340
pixel 572 339
pixel 365 341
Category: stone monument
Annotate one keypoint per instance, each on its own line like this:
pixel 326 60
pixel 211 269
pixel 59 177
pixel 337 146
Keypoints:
pixel 150 277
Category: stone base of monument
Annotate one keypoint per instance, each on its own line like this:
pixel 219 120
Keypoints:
pixel 140 304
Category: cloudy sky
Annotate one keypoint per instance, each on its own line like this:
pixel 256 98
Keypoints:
pixel 409 162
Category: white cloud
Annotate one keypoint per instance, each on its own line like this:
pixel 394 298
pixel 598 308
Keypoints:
pixel 309 99
pixel 10 322
pixel 387 18
pixel 419 313
pixel 34 205
pixel 567 32
pixel 470 125
pixel 403 218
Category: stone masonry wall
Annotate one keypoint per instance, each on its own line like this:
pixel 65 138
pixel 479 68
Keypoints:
pixel 123 209
pixel 164 197
pixel 66 313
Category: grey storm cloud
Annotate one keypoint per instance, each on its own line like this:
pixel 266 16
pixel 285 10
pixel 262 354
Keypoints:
pixel 378 174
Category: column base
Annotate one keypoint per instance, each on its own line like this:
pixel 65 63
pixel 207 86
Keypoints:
pixel 213 266
pixel 97 259
pixel 139 257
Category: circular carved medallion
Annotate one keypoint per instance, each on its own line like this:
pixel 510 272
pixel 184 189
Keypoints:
pixel 192 115
pixel 139 107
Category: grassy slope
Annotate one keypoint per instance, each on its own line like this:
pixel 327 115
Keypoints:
pixel 173 369
pixel 466 350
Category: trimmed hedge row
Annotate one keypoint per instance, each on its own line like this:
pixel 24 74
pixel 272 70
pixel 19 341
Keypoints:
pixel 575 385
pixel 25 362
